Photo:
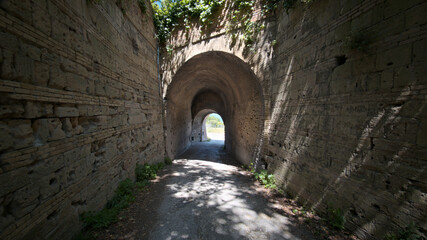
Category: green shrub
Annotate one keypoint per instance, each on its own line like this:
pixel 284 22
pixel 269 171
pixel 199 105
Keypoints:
pixel 145 172
pixel 142 184
pixel 99 220
pixel 266 179
pixel 168 161
pixel 123 195
pixel 125 188
pixel 159 166
pixel 335 217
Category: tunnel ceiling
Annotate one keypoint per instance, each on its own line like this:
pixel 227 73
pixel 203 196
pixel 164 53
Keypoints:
pixel 223 83
pixel 206 100
pixel 216 71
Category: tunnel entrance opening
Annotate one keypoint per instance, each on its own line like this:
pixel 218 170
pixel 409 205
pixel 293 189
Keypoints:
pixel 208 126
pixel 215 82
pixel 214 128
pixel 199 132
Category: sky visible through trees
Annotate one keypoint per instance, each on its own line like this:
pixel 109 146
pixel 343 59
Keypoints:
pixel 215 127
pixel 214 120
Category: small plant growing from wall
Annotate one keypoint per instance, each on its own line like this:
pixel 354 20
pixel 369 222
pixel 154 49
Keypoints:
pixel 123 195
pixel 168 161
pixel 335 217
pixel 266 179
pixel 169 49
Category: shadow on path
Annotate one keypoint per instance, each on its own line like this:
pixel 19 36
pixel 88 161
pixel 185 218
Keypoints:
pixel 207 199
pixel 201 197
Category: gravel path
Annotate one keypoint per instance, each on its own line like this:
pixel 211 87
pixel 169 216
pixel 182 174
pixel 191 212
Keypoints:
pixel 201 197
pixel 216 136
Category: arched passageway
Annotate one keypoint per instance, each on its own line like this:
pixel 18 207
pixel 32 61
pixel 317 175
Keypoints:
pixel 199 129
pixel 215 82
pixel 214 126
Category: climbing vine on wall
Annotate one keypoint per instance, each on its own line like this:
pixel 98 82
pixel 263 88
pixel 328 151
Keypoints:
pixel 242 16
pixel 169 14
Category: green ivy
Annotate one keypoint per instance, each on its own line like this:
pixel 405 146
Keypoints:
pixel 123 195
pixel 169 14
pixel 241 16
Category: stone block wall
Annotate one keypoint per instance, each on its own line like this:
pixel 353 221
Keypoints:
pixel 348 111
pixel 79 107
pixel 344 91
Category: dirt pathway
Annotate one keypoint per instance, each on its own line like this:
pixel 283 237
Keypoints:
pixel 201 197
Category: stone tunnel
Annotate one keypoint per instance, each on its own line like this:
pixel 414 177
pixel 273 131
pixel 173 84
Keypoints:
pixel 330 98
pixel 215 82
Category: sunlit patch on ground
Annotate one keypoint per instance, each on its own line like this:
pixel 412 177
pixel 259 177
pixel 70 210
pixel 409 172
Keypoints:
pixel 215 133
pixel 202 196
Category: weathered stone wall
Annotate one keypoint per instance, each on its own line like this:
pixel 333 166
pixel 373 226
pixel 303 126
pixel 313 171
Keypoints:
pixel 344 91
pixel 348 116
pixel 80 106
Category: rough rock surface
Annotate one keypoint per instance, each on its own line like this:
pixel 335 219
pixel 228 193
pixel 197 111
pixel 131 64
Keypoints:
pixel 343 118
pixel 79 107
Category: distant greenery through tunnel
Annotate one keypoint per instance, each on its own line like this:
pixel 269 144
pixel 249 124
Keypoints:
pixel 215 129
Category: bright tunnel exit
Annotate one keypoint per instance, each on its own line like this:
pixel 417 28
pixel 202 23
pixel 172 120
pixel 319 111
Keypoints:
pixel 214 126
